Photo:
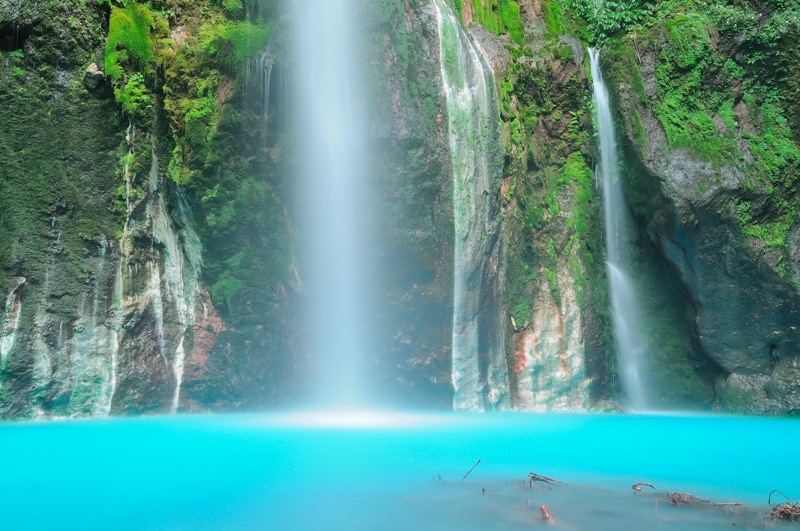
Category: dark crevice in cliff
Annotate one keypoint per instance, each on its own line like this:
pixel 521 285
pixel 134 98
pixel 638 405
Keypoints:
pixel 14 35
pixel 670 310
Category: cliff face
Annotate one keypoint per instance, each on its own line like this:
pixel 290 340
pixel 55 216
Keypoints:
pixel 713 169
pixel 147 234
pixel 126 290
pixel 413 210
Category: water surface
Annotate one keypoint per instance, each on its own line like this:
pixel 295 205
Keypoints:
pixel 377 470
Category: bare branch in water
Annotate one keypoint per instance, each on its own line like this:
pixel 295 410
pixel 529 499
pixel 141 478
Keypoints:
pixel 533 477
pixel 470 470
pixel 638 486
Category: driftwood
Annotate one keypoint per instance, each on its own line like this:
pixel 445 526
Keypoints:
pixel 638 486
pixel 787 510
pixel 683 498
pixel 546 516
pixel 534 477
pixel 470 470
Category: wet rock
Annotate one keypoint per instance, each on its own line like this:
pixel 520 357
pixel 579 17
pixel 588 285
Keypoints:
pixel 746 314
pixel 548 371
pixel 94 76
pixel 493 48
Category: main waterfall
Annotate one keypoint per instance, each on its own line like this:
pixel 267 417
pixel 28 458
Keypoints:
pixel 332 134
pixel 479 371
pixel 624 310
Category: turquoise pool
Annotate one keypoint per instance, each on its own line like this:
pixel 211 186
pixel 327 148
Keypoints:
pixel 384 470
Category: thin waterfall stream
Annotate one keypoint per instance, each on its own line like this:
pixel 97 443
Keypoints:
pixel 479 372
pixel 624 307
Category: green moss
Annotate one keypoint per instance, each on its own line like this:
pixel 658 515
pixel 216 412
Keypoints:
pixel 129 43
pixel 553 18
pixel 556 219
pixel 134 98
pixel 509 13
pixel 228 44
pixel 499 16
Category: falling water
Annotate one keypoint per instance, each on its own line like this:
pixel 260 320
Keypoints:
pixel 479 373
pixel 331 150
pixel 10 323
pixel 118 295
pixel 259 79
pixel 181 251
pixel 630 347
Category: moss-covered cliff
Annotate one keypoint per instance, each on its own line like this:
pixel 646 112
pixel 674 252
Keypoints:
pixel 705 98
pixel 147 234
pixel 146 237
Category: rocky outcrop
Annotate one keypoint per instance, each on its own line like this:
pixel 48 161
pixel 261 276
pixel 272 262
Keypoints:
pixel 479 371
pixel 548 357
pixel 413 211
pixel 713 221
pixel 101 256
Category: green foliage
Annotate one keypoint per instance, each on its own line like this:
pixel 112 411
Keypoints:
pixel 499 16
pixel 773 232
pixel 233 8
pixel 685 102
pixel 609 17
pixel 553 18
pixel 134 98
pixel 129 44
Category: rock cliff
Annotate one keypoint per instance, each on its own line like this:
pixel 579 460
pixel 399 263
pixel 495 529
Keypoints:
pixel 148 257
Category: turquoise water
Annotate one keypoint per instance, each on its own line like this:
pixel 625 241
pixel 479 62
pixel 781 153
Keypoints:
pixel 374 470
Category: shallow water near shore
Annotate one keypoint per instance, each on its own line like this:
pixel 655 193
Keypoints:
pixel 384 470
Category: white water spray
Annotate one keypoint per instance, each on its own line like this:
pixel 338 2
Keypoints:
pixel 624 308
pixel 182 261
pixel 10 322
pixel 332 133
pixel 471 108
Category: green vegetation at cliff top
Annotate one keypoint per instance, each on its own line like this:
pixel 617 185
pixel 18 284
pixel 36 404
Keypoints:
pixel 499 16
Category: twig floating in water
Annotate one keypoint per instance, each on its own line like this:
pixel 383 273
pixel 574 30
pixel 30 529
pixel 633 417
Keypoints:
pixel 470 470
pixel 783 511
pixel 534 477
pixel 683 498
pixel 638 486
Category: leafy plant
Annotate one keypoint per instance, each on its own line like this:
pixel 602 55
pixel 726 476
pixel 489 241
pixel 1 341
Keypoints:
pixel 607 17
pixel 134 98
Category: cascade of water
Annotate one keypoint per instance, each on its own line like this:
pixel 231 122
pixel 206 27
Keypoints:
pixel 118 293
pixel 630 347
pixel 332 126
pixel 472 122
pixel 10 323
pixel 158 309
pixel 259 79
pixel 182 261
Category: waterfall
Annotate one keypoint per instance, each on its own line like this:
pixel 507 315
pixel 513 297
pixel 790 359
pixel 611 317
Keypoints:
pixel 479 372
pixel 624 307
pixel 332 128
pixel 258 80
pixel 10 323
pixel 182 260
pixel 117 294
